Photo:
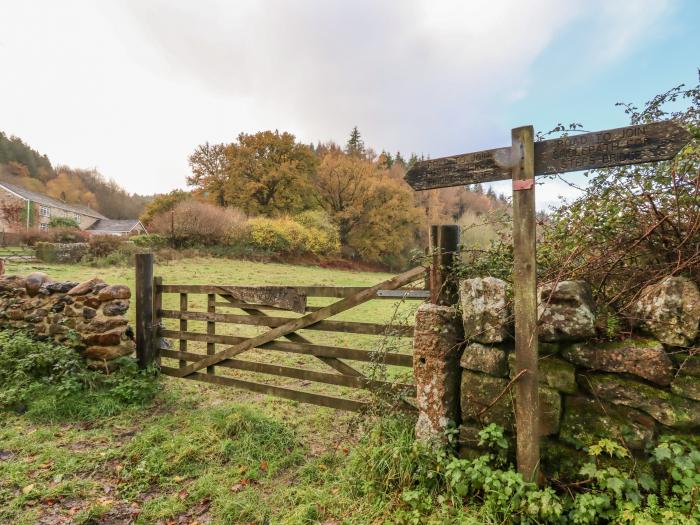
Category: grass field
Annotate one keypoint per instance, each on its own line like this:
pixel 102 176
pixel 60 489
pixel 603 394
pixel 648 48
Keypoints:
pixel 199 453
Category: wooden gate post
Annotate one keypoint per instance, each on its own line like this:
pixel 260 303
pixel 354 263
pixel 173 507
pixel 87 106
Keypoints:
pixel 145 341
pixel 525 298
pixel 444 246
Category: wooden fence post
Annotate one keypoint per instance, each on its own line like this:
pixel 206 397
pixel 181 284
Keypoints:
pixel 145 347
pixel 157 308
pixel 525 302
pixel 444 246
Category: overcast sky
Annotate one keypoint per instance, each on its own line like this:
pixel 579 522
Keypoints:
pixel 132 87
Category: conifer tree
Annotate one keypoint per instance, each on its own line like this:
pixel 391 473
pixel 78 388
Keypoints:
pixel 355 146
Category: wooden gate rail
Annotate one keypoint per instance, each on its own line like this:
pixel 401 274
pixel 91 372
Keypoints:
pixel 338 292
pixel 309 319
pixel 296 373
pixel 351 327
pixel 353 354
pixel 281 299
pixel 273 390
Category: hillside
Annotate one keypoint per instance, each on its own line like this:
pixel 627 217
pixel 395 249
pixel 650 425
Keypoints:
pixel 22 165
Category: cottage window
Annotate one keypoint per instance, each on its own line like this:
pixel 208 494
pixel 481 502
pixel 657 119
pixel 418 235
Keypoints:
pixel 44 227
pixel 44 211
pixel 77 218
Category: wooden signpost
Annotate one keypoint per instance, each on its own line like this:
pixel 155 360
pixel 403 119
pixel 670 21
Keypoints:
pixel 521 162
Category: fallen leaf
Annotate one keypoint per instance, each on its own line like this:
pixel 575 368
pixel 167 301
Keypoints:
pixel 238 487
pixel 183 494
pixel 264 465
pixel 28 488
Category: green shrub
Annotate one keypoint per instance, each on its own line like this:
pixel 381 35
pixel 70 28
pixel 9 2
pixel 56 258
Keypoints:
pixel 60 252
pixel 63 222
pixel 52 382
pixel 122 256
pixel 152 241
pixel 103 245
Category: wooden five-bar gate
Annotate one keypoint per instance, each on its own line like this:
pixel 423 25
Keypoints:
pixel 203 345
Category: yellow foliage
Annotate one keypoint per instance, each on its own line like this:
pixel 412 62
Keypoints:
pixel 285 235
pixel 374 211
pixel 69 187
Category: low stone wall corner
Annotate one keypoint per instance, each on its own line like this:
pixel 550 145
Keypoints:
pixel 91 316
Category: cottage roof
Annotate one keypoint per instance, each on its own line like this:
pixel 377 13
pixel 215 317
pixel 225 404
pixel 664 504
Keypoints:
pixel 45 200
pixel 115 226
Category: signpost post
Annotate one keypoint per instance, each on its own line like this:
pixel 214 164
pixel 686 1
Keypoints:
pixel 522 162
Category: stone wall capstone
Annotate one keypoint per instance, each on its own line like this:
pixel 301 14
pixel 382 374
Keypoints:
pixel 87 315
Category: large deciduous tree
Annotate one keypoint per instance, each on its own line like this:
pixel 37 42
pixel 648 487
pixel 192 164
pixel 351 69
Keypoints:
pixel 210 171
pixel 264 173
pixel 162 203
pixel 374 212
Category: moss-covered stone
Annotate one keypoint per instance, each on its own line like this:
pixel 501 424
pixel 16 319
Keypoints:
pixel 587 421
pixel 559 460
pixel 666 408
pixel 553 372
pixel 487 359
pixel 645 358
pixel 478 391
pixel 688 365
pixel 686 386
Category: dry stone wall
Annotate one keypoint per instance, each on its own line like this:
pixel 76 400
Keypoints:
pixel 88 315
pixel 631 390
